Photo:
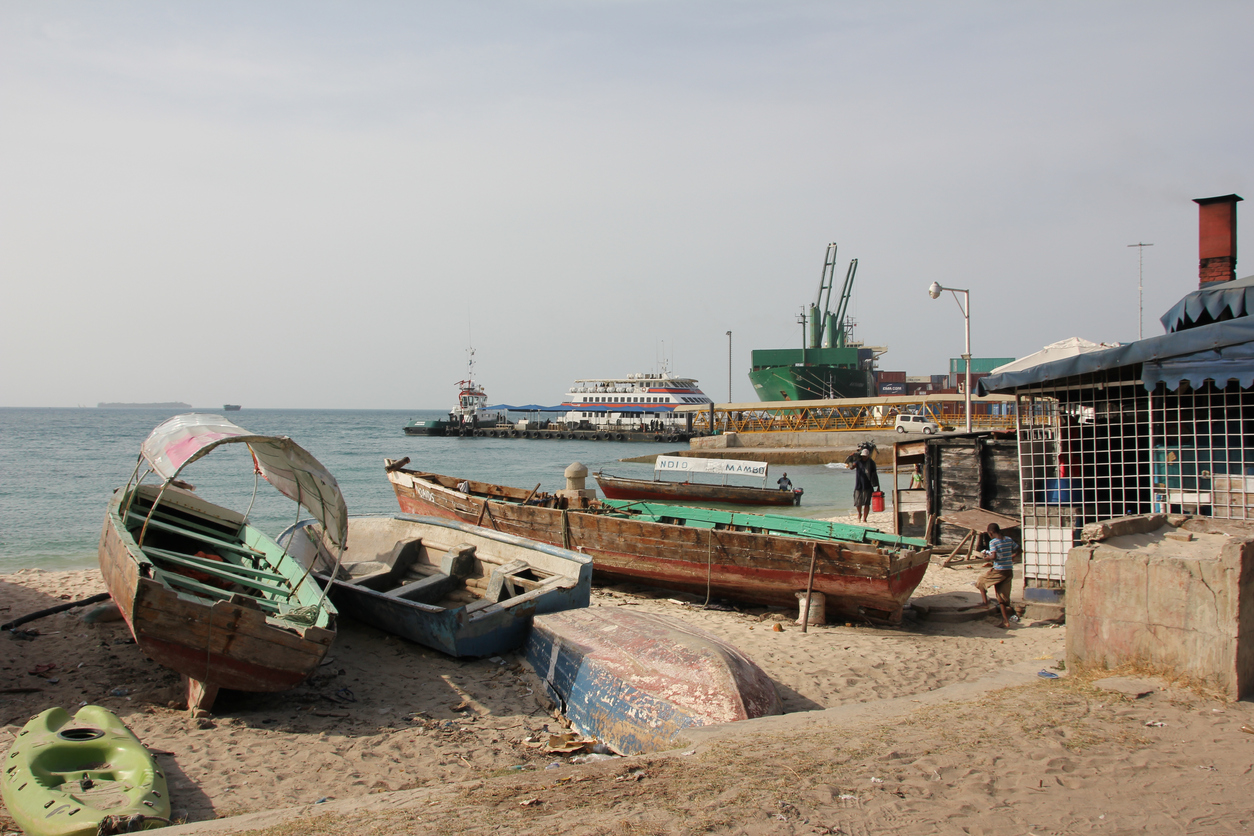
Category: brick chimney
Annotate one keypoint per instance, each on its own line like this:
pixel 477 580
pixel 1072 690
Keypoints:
pixel 1217 239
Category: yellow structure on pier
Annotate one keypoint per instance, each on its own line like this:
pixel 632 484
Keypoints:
pixel 995 412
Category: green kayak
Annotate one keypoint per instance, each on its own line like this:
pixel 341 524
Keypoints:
pixel 65 774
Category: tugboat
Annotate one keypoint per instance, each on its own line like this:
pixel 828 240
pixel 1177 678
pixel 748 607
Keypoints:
pixel 471 410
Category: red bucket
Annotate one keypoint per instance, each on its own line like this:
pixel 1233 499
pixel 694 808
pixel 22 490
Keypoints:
pixel 877 501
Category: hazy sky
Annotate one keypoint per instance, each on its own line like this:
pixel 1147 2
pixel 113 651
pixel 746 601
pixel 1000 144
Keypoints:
pixel 297 204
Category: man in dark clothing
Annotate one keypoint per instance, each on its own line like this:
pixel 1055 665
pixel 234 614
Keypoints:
pixel 866 479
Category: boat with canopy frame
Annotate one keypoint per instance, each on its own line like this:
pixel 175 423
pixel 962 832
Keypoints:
pixel 204 592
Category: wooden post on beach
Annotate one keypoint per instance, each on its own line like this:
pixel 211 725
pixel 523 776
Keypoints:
pixel 805 611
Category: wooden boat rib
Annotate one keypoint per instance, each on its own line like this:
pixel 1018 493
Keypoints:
pixel 864 575
pixel 203 592
pixel 455 587
pixel 636 680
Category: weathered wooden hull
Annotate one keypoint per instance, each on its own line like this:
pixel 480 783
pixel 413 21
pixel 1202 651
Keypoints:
pixel 636 680
pixel 464 631
pixel 692 492
pixel 220 644
pixel 756 568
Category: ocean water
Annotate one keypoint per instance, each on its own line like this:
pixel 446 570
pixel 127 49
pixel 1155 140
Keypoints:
pixel 58 468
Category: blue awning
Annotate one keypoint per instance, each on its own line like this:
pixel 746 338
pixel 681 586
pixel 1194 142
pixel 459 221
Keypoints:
pixel 1235 297
pixel 529 407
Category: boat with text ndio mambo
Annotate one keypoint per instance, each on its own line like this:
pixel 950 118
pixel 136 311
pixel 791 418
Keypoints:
pixel 759 559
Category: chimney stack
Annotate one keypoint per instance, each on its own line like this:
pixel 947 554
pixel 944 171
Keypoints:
pixel 1217 239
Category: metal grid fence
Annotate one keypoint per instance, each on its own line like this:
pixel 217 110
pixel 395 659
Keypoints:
pixel 1098 446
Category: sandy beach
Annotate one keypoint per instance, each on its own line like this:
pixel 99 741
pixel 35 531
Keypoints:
pixel 886 730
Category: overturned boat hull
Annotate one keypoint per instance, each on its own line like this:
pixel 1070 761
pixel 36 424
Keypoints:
pixel 637 680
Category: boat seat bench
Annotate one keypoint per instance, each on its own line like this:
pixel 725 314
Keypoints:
pixel 555 582
pixel 214 567
pixel 456 565
pixel 212 591
pixel 196 535
pixel 182 520
pixel 279 591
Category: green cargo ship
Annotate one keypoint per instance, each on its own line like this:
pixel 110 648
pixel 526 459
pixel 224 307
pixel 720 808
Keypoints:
pixel 830 364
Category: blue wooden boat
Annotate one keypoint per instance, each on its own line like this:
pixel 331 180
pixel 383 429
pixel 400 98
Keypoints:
pixel 445 584
pixel 636 680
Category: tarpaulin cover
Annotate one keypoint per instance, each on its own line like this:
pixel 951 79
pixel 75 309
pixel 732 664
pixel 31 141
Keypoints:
pixel 1219 352
pixel 1235 296
pixel 183 439
pixel 1069 347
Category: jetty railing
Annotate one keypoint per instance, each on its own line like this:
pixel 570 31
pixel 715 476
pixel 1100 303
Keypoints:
pixel 996 412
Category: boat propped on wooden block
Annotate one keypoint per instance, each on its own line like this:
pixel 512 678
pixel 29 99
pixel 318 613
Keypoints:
pixel 205 593
pixel 758 559
pixel 686 467
pixel 636 680
pixel 449 585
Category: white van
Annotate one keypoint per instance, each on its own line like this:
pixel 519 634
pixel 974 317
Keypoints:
pixel 908 422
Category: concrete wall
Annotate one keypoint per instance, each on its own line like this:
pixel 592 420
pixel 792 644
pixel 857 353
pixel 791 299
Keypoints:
pixel 1187 607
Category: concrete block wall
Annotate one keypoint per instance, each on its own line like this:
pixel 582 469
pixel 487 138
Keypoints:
pixel 1189 611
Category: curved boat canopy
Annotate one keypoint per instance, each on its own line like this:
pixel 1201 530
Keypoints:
pixel 183 439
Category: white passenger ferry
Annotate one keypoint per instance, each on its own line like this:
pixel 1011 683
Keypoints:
pixel 644 401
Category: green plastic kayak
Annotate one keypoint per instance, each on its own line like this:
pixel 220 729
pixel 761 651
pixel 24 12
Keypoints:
pixel 64 774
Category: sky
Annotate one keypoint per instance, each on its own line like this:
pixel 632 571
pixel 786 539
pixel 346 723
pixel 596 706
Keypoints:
pixel 324 205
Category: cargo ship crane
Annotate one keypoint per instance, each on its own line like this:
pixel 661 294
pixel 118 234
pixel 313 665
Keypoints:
pixel 827 329
pixel 827 364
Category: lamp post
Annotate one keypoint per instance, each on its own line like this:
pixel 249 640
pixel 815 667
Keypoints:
pixel 729 367
pixel 964 305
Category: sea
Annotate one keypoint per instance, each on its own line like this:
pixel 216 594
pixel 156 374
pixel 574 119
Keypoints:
pixel 58 468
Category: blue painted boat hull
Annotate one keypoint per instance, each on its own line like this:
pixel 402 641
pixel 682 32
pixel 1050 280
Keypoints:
pixel 636 680
pixel 458 588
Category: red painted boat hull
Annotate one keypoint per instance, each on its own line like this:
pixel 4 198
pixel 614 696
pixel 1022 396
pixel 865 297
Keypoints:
pixel 692 493
pixel 859 582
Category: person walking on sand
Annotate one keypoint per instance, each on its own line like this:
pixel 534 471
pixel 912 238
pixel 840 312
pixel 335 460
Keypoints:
pixel 866 480
pixel 1001 572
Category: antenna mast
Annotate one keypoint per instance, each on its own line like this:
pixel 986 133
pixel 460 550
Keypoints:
pixel 1140 288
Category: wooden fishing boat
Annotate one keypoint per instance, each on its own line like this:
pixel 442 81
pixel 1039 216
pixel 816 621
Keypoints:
pixel 452 586
pixel 759 559
pixel 695 492
pixel 636 680
pixel 65 774
pixel 204 592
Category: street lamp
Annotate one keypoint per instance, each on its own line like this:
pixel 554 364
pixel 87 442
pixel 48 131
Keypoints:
pixel 729 400
pixel 935 291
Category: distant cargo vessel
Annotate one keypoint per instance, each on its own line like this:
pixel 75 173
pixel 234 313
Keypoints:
pixel 231 407
pixel 830 364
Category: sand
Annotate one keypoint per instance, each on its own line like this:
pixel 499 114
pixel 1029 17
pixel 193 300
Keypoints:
pixel 389 736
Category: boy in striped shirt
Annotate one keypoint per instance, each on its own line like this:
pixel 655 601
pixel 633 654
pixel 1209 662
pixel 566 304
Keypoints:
pixel 1001 572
